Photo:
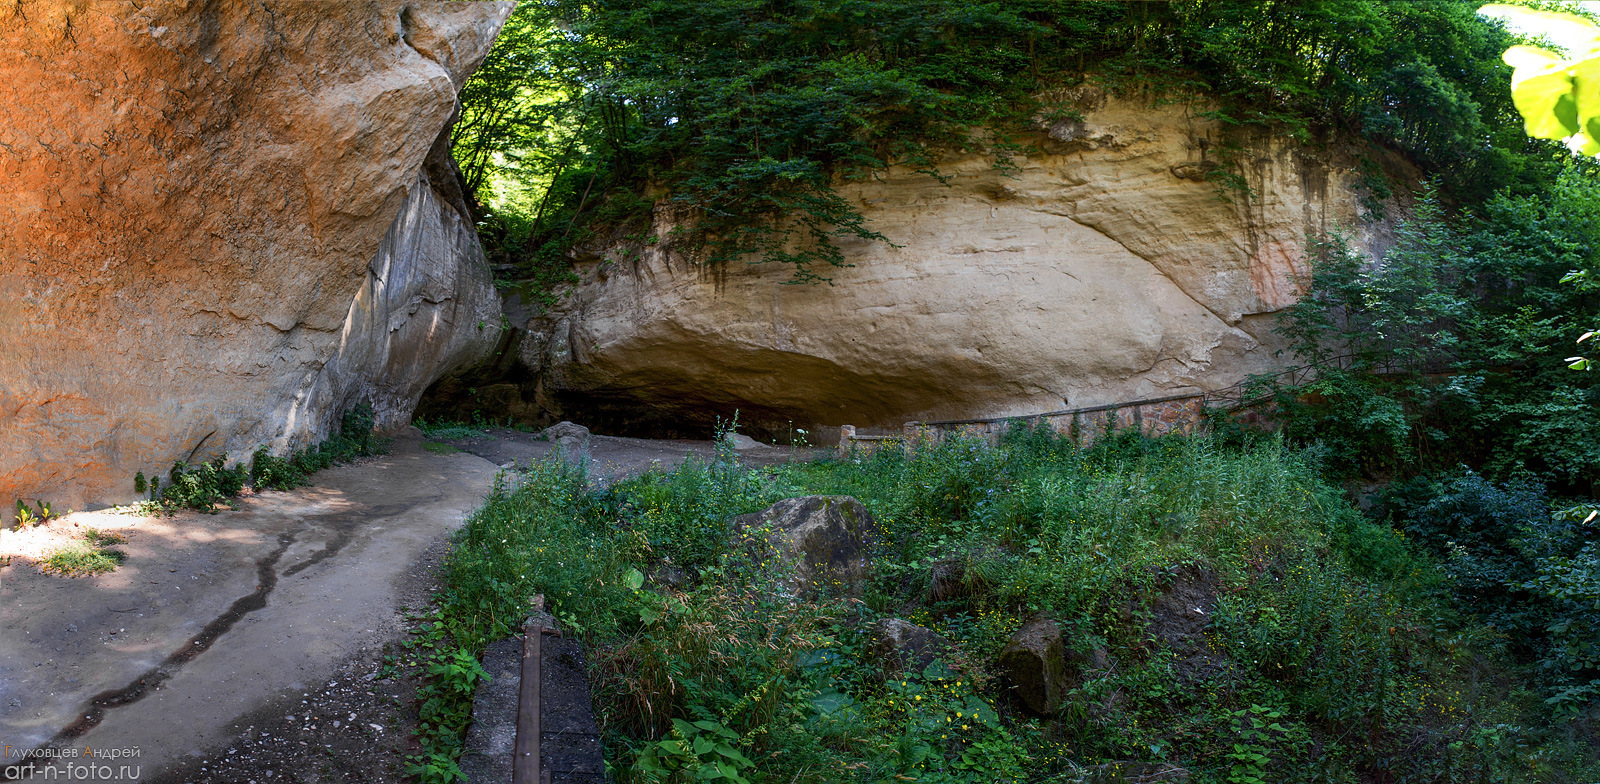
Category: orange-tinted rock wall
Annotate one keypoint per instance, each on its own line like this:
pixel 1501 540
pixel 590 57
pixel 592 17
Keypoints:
pixel 193 198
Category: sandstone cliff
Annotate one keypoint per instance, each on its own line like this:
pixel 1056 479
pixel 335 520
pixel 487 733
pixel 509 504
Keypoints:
pixel 223 226
pixel 1110 267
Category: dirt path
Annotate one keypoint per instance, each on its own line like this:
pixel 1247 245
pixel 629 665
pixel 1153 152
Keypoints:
pixel 250 646
pixel 213 617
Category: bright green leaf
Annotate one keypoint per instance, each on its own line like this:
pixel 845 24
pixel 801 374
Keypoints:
pixel 1546 104
pixel 733 754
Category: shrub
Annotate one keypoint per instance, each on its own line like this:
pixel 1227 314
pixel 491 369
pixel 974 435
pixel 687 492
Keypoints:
pixel 1452 349
pixel 203 487
pixel 206 486
pixel 1525 569
pixel 353 439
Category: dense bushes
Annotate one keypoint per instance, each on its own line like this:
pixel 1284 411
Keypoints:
pixel 1333 648
pixel 1451 350
pixel 1523 568
pixel 353 439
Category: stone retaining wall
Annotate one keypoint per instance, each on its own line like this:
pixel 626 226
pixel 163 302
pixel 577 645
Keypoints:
pixel 1182 414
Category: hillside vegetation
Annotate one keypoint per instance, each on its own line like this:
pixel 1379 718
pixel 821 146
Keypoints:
pixel 1330 644
pixel 745 112
pixel 1400 584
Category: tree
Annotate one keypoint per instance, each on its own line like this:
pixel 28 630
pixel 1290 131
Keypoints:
pixel 1558 97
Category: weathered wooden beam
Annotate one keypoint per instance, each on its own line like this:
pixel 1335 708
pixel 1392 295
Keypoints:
pixel 525 759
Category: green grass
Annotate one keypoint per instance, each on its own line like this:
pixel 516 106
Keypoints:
pixel 452 430
pixel 439 449
pixel 91 553
pixel 1331 650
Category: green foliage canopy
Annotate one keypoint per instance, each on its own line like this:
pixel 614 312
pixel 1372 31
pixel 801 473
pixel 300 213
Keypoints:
pixel 743 115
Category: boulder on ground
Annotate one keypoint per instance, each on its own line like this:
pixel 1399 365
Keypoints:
pixel 668 576
pixel 961 576
pixel 1035 665
pixel 947 580
pixel 828 536
pixel 742 442
pixel 1125 772
pixel 561 430
pixel 572 441
pixel 906 647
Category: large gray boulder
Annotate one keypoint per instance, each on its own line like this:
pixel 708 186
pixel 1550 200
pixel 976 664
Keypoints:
pixel 571 440
pixel 562 431
pixel 827 536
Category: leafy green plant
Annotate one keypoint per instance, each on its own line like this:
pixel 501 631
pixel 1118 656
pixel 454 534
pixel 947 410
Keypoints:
pixel 1252 748
pixel 25 516
pixel 40 514
pixel 203 487
pixel 695 751
pixel 450 675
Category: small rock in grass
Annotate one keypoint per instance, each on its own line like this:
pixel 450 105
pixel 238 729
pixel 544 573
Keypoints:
pixel 906 647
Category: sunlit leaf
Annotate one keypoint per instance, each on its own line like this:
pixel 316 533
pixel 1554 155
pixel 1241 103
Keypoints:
pixel 1578 35
pixel 1532 58
pixel 1546 103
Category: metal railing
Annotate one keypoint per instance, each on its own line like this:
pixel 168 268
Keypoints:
pixel 1154 416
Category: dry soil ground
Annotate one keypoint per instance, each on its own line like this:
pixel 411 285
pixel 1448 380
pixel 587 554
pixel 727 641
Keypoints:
pixel 249 646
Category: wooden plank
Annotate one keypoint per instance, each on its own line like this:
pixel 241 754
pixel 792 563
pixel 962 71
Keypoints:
pixel 525 762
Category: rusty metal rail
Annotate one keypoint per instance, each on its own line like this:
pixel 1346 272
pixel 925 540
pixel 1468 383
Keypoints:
pixel 1156 416
pixel 527 757
pixel 525 763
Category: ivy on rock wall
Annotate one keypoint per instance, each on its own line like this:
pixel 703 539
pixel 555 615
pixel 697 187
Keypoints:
pixel 743 114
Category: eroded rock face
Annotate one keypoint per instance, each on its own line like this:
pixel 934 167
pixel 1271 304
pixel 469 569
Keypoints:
pixel 223 226
pixel 1112 266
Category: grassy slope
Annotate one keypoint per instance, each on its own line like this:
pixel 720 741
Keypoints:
pixel 1331 650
